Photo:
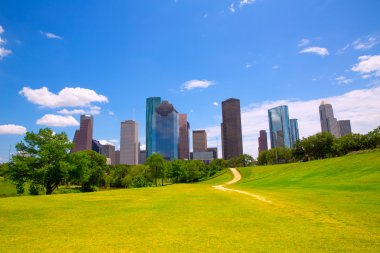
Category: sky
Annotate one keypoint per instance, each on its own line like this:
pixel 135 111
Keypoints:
pixel 60 59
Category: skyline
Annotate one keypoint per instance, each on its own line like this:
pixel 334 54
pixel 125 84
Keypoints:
pixel 194 54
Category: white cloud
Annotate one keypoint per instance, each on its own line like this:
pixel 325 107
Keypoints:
pixel 12 129
pixel 303 42
pixel 248 66
pixel 276 67
pixel 71 112
pixel 315 50
pixel 367 43
pixel 57 121
pixel 2 41
pixel 4 52
pixel 71 97
pixel 343 80
pixel 343 49
pixel 242 3
pixel 215 103
pixel 111 113
pixel 106 142
pixel 359 106
pixel 232 7
pixel 51 35
pixel 1 30
pixel 192 84
pixel 368 65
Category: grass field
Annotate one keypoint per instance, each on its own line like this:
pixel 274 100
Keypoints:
pixel 331 205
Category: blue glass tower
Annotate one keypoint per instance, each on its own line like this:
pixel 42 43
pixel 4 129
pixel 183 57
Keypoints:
pixel 165 125
pixel 151 106
pixel 279 127
pixel 294 134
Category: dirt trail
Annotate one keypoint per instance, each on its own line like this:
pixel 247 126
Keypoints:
pixel 236 178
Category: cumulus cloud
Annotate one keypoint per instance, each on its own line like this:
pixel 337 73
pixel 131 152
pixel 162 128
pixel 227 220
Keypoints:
pixel 57 121
pixel 343 80
pixel 215 103
pixel 362 44
pixel 12 129
pixel 71 97
pixel 359 106
pixel 1 30
pixel 51 35
pixel 303 42
pixel 4 52
pixel 193 84
pixel 71 112
pixel 232 7
pixel 2 41
pixel 315 50
pixel 369 65
pixel 106 142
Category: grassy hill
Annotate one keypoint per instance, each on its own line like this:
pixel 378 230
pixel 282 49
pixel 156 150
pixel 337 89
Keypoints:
pixel 330 205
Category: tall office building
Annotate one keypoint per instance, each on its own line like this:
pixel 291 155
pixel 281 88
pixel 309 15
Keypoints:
pixel 183 146
pixel 344 127
pixel 199 141
pixel 109 151
pixel 263 141
pixel 129 142
pixel 97 146
pixel 117 157
pixel 165 125
pixel 294 133
pixel 214 151
pixel 151 105
pixel 83 136
pixel 328 122
pixel 279 128
pixel 232 143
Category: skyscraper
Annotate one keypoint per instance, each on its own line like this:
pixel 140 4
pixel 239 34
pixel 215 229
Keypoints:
pixel 328 122
pixel 129 142
pixel 97 146
pixel 294 133
pixel 263 141
pixel 232 143
pixel 199 141
pixel 165 125
pixel 83 136
pixel 184 127
pixel 279 129
pixel 344 127
pixel 117 157
pixel 151 105
pixel 109 151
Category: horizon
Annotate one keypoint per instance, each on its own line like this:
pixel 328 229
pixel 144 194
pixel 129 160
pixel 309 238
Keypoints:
pixel 59 60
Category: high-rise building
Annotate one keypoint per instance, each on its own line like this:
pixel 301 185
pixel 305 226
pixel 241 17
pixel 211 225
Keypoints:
pixel 151 105
pixel 183 146
pixel 344 127
pixel 165 125
pixel 142 156
pixel 214 151
pixel 232 143
pixel 279 129
pixel 97 146
pixel 83 136
pixel 117 157
pixel 263 141
pixel 294 133
pixel 328 122
pixel 129 142
pixel 199 141
pixel 109 151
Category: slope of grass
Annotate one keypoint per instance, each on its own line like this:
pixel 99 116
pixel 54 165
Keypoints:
pixel 312 216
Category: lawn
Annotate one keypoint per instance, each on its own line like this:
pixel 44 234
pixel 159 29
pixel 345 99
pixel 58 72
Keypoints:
pixel 330 205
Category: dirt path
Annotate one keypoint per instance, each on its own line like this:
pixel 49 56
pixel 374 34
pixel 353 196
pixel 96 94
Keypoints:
pixel 236 178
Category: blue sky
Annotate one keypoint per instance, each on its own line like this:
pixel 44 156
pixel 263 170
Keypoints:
pixel 118 53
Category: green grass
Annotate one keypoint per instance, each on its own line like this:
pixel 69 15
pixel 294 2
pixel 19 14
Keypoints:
pixel 331 205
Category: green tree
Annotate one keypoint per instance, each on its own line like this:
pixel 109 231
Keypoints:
pixel 41 160
pixel 156 164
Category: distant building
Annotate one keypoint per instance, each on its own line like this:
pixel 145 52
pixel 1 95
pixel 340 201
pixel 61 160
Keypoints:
pixel 279 129
pixel 117 157
pixel 183 146
pixel 214 151
pixel 328 122
pixel 294 133
pixel 205 156
pixel 151 105
pixel 165 125
pixel 97 146
pixel 344 127
pixel 142 157
pixel 83 136
pixel 263 141
pixel 129 142
pixel 199 141
pixel 232 143
pixel 109 151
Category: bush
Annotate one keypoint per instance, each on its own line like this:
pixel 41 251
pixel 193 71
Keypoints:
pixel 34 189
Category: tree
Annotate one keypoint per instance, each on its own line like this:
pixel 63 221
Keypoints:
pixel 41 160
pixel 156 164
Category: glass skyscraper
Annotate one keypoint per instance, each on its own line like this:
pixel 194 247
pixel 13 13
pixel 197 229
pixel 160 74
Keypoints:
pixel 166 133
pixel 294 134
pixel 151 106
pixel 279 127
